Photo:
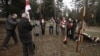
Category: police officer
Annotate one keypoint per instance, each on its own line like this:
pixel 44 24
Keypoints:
pixel 10 28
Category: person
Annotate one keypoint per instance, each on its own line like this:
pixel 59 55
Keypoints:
pixel 51 27
pixel 37 28
pixel 90 38
pixel 25 36
pixel 57 25
pixel 10 28
pixel 73 29
pixel 95 40
pixel 69 28
pixel 63 25
pixel 63 29
pixel 42 22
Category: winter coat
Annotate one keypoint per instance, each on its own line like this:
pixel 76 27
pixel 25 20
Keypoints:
pixel 24 29
pixel 11 23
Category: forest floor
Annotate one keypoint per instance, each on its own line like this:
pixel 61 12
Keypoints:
pixel 52 45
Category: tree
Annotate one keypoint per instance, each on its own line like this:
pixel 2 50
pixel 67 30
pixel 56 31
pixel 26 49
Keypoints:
pixel 59 5
pixel 66 12
pixel 34 6
pixel 98 13
pixel 18 6
pixel 90 5
pixel 48 8
pixel 13 6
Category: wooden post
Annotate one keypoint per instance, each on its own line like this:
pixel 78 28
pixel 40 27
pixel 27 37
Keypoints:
pixel 81 52
pixel 84 12
pixel 78 41
pixel 80 37
pixel 77 47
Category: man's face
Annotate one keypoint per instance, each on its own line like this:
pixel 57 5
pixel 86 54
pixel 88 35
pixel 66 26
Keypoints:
pixel 14 16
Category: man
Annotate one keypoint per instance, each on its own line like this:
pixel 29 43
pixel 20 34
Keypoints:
pixel 51 27
pixel 73 29
pixel 57 25
pixel 43 23
pixel 10 28
pixel 24 29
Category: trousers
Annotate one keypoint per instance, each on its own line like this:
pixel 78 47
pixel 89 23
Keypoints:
pixel 10 33
pixel 28 49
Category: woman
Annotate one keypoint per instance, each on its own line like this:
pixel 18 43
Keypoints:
pixel 63 25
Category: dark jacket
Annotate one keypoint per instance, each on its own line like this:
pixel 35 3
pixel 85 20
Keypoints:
pixel 11 23
pixel 42 24
pixel 24 29
pixel 57 21
pixel 74 24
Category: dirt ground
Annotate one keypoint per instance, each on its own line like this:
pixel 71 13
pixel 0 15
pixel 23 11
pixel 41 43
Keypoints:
pixel 49 45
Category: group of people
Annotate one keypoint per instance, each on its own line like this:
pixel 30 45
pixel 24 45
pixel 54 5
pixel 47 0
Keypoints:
pixel 67 27
pixel 25 27
pixel 60 25
pixel 24 32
